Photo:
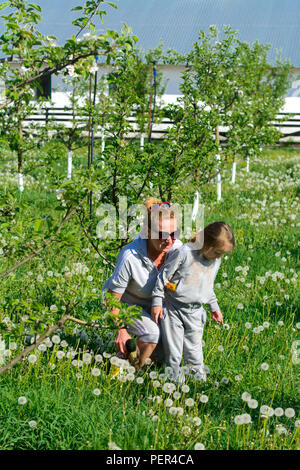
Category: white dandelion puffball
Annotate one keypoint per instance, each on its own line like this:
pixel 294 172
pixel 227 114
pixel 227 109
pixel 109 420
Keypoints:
pixel 197 421
pixel 246 418
pixel 240 306
pixel 189 402
pixel 60 354
pixel 246 396
pixel 204 398
pixel 252 403
pixel 225 380
pixel 169 387
pixel 98 358
pixel 199 446
pixel 281 429
pixel 86 357
pixel 96 391
pixel 266 411
pixel 185 388
pixel 248 325
pixel 70 354
pixel 168 402
pixel 32 358
pixel 32 423
pixel 180 411
pixel 155 418
pixel 186 430
pixel 64 343
pixel 239 420
pixel 176 395
pixel 264 366
pixel 158 399
pixel 173 410
pixel 106 355
pixel 13 346
pixel 220 348
pixel 22 400
pixel 289 412
pixel 114 361
pixel 55 339
pixel 278 412
pixel 156 383
pixel 130 377
pixel 53 308
pixel 153 375
pixel 113 446
pixel 95 372
pixel 139 380
pixel 148 361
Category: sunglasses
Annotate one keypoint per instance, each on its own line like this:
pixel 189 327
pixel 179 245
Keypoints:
pixel 165 235
pixel 158 205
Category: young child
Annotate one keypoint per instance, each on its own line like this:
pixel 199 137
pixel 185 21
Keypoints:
pixel 183 285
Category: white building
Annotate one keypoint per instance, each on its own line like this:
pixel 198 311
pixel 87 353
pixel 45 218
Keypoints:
pixel 177 24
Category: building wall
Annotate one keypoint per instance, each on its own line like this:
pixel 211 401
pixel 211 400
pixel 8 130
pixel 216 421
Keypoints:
pixel 172 78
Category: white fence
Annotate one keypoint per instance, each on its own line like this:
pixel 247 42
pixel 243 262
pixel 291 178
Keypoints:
pixel 290 128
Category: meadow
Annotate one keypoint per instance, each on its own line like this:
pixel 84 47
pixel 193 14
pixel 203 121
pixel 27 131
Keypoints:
pixel 65 394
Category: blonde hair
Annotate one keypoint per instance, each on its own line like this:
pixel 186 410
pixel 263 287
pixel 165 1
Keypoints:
pixel 163 212
pixel 214 235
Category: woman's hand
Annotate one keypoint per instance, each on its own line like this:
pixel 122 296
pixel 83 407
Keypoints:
pixel 120 342
pixel 217 316
pixel 156 312
pixel 122 335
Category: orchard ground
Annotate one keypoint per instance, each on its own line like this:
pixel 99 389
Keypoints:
pixel 65 395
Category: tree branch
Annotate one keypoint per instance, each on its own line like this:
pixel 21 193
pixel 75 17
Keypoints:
pixel 92 242
pixel 46 242
pixel 51 329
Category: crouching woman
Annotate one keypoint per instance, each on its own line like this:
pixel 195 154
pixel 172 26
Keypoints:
pixel 135 275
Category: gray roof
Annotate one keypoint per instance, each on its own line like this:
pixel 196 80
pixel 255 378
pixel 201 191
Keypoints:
pixel 178 22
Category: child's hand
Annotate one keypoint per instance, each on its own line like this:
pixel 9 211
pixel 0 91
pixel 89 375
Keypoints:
pixel 156 312
pixel 217 316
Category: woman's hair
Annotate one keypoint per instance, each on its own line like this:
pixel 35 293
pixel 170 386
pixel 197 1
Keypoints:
pixel 214 235
pixel 159 214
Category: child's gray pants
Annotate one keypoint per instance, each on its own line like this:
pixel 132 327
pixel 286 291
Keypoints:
pixel 182 332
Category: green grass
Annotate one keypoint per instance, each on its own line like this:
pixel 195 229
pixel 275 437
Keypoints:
pixel 60 396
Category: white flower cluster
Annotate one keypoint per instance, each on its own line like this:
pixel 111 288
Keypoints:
pixel 244 418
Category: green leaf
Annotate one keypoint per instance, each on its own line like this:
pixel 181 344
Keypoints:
pixel 38 225
pixel 112 5
pixel 4 5
pixel 36 7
